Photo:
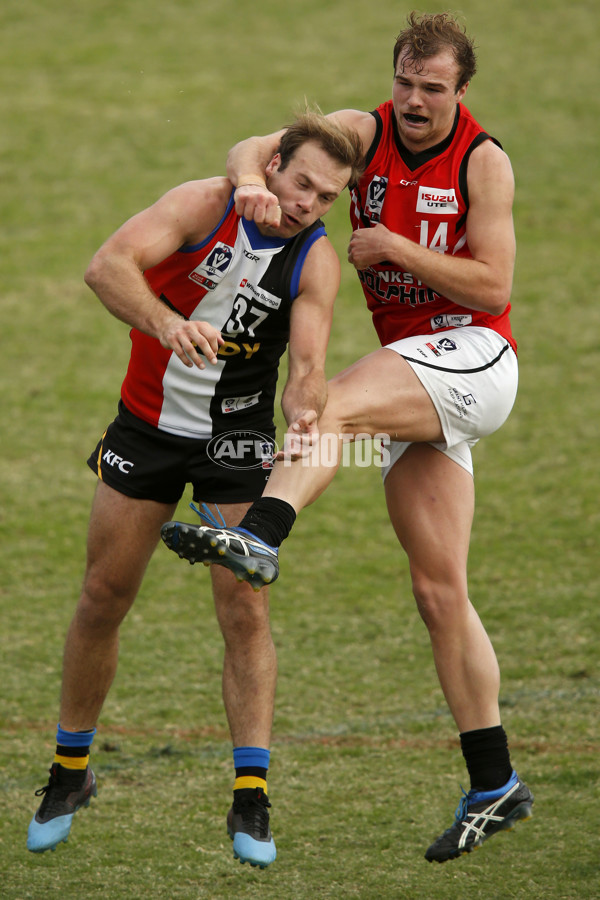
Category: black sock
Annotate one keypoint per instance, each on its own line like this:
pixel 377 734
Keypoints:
pixel 270 519
pixel 486 755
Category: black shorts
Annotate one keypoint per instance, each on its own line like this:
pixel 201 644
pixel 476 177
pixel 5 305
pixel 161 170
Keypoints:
pixel 141 461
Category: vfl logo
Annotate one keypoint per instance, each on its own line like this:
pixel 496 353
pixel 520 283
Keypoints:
pixel 444 345
pixel 439 201
pixel 214 267
pixel 242 450
pixel 375 197
pixel 220 258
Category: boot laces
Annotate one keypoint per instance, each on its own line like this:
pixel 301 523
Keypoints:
pixel 253 810
pixel 56 791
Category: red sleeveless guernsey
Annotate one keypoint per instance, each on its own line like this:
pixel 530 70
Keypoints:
pixel 424 197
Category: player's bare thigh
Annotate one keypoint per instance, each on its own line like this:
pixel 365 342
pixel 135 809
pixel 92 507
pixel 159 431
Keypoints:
pixel 430 501
pixel 380 394
pixel 123 534
pixel 123 528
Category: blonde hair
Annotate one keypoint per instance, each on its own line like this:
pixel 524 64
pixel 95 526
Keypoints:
pixel 342 144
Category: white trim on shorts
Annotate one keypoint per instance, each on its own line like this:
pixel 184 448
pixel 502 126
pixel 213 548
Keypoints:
pixel 471 375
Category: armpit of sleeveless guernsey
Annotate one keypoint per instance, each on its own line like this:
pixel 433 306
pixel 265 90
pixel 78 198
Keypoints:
pixel 168 303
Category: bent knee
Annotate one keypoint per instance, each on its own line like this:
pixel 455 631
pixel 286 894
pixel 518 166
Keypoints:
pixel 104 602
pixel 242 613
pixel 440 603
pixel 334 418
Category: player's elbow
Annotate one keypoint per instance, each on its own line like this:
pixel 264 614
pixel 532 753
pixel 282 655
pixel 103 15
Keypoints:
pixel 92 274
pixel 495 307
pixel 236 155
pixel 497 301
pixel 497 293
pixel 96 274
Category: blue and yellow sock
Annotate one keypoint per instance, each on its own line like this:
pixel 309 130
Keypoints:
pixel 251 767
pixel 73 748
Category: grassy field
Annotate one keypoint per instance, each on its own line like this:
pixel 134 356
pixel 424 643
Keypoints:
pixel 105 105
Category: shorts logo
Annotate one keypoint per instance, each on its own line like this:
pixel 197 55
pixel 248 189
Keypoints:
pixel 123 465
pixel 445 345
pixel 375 197
pixel 461 402
pixel 440 201
pixel 214 267
pixel 242 450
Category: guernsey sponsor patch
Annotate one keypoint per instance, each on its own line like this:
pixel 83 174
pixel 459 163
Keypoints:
pixel 440 201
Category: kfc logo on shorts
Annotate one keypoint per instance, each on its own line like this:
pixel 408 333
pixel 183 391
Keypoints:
pixel 112 459
pixel 214 267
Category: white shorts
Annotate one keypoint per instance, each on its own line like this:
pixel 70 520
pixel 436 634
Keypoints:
pixel 471 375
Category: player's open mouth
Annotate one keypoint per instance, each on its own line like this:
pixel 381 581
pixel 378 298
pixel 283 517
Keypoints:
pixel 289 220
pixel 413 119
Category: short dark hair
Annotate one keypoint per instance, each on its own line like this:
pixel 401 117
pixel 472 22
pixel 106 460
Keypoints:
pixel 428 34
pixel 341 143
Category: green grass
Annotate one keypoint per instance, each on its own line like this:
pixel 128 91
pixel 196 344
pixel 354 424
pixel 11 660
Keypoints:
pixel 105 106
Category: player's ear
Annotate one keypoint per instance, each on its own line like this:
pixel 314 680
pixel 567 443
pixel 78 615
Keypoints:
pixel 461 92
pixel 273 165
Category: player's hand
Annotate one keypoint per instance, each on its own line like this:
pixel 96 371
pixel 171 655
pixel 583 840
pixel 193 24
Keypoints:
pixel 193 342
pixel 301 436
pixel 255 202
pixel 369 246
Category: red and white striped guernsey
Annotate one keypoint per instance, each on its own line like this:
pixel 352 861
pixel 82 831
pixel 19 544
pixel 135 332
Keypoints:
pixel 243 284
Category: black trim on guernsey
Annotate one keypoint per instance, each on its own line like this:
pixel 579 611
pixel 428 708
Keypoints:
pixel 488 365
pixel 462 172
pixel 375 142
pixel 416 160
pixel 368 157
pixel 168 303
